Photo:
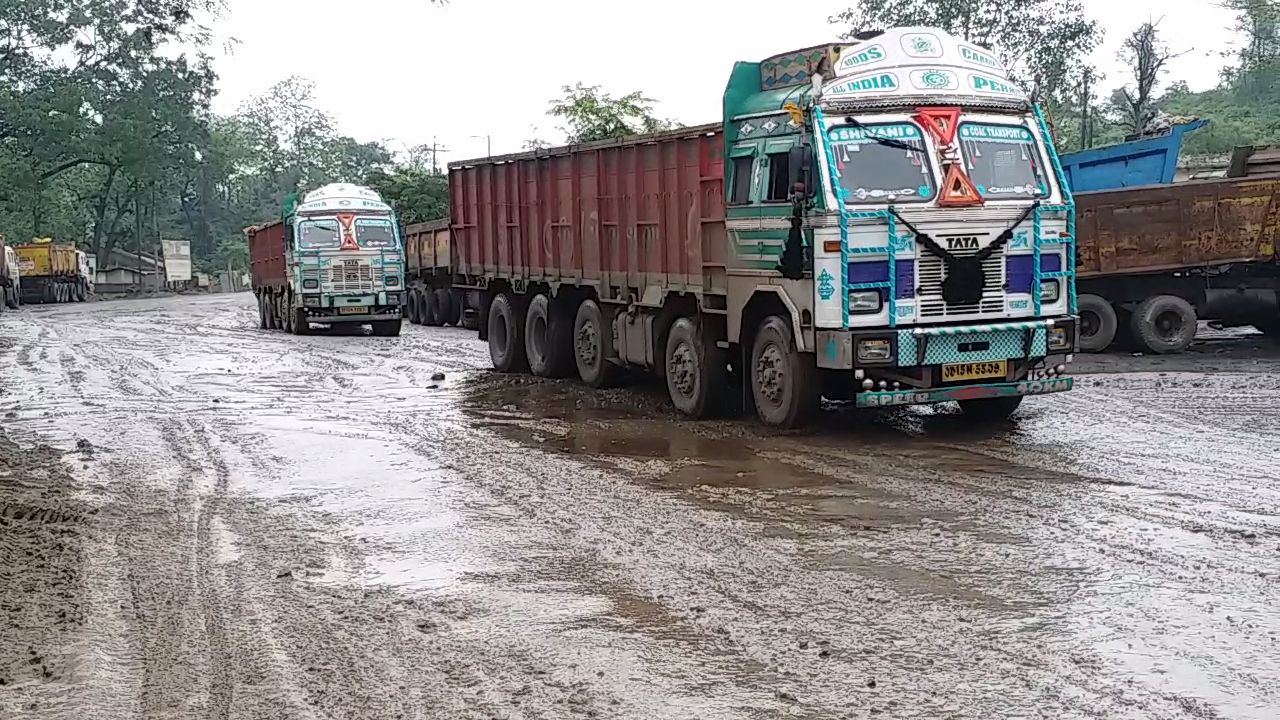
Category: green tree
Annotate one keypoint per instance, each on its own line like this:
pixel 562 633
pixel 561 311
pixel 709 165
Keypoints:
pixel 591 114
pixel 1146 53
pixel 1042 42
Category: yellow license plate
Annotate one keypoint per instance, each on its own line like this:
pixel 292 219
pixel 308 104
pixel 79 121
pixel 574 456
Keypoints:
pixel 353 310
pixel 974 370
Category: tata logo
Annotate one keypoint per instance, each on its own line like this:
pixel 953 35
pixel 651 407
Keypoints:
pixel 962 243
pixel 869 83
pixel 863 56
pixel 978 57
pixel 985 84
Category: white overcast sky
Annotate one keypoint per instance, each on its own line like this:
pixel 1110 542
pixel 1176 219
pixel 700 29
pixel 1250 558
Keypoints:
pixel 406 71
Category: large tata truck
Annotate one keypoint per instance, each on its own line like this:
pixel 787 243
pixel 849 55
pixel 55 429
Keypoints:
pixel 883 222
pixel 333 259
pixel 52 272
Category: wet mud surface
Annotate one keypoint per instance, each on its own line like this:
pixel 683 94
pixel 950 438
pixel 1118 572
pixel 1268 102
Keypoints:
pixel 204 520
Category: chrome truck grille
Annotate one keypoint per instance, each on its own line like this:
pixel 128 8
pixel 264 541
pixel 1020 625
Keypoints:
pixel 351 275
pixel 930 272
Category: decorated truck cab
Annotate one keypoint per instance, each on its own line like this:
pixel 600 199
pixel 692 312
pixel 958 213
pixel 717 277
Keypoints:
pixel 336 258
pixel 911 197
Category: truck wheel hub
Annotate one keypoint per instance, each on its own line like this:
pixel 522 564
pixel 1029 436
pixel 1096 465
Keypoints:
pixel 770 374
pixel 683 369
pixel 586 344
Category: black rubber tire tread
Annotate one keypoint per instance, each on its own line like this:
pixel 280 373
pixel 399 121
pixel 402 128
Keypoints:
pixel 299 325
pixel 711 373
pixel 287 311
pixel 1108 323
pixel 444 306
pixel 802 396
pixel 990 410
pixel 600 373
pixel 430 308
pixel 506 335
pixel 411 306
pixel 387 328
pixel 1148 335
pixel 262 311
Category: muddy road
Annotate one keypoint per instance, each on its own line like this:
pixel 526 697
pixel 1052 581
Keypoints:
pixel 208 521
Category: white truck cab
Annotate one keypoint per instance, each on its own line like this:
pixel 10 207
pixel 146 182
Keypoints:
pixel 85 264
pixel 10 277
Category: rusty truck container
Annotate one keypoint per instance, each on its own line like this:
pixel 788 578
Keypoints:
pixel 625 216
pixel 426 247
pixel 1183 225
pixel 1154 261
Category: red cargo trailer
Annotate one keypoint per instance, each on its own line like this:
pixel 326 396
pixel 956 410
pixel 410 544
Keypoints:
pixel 601 255
pixel 266 255
pixel 633 216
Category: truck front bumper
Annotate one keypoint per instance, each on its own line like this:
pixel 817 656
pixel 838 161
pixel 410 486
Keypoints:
pixel 373 314
pixel 930 364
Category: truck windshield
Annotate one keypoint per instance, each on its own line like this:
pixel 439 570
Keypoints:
pixel 317 234
pixel 1002 160
pixel 870 170
pixel 375 233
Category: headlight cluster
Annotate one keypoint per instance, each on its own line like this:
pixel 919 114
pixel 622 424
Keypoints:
pixel 310 284
pixel 1050 291
pixel 874 350
pixel 864 301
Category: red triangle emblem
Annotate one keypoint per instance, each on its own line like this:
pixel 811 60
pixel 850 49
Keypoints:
pixel 958 189
pixel 940 121
pixel 346 223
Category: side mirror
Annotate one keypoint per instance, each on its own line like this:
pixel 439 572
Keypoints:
pixel 798 166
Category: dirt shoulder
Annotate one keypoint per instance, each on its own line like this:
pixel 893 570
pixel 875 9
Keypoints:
pixel 43 530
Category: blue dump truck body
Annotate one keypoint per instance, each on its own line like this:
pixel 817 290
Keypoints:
pixel 1147 161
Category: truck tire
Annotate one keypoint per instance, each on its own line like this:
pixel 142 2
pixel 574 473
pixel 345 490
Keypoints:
pixel 784 381
pixel 590 333
pixel 989 410
pixel 1164 324
pixel 262 311
pixel 286 309
pixel 430 311
pixel 444 306
pixel 299 324
pixel 273 311
pixel 12 299
pixel 82 292
pixel 1098 323
pixel 697 371
pixel 506 335
pixel 387 328
pixel 548 338
pixel 411 306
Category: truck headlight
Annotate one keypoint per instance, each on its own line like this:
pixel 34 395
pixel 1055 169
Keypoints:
pixel 874 350
pixel 310 284
pixel 311 300
pixel 391 280
pixel 393 298
pixel 1059 339
pixel 1050 290
pixel 864 301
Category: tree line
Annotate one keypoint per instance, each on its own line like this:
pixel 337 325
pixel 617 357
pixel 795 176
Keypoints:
pixel 107 136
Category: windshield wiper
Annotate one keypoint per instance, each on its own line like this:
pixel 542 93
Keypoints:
pixel 880 140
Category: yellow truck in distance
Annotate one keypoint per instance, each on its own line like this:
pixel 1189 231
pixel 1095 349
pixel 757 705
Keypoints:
pixel 52 272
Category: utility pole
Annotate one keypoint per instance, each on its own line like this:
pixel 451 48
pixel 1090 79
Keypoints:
pixel 436 149
pixel 488 144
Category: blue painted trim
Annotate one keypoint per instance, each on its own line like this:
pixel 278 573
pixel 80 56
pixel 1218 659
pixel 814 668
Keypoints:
pixel 1069 206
